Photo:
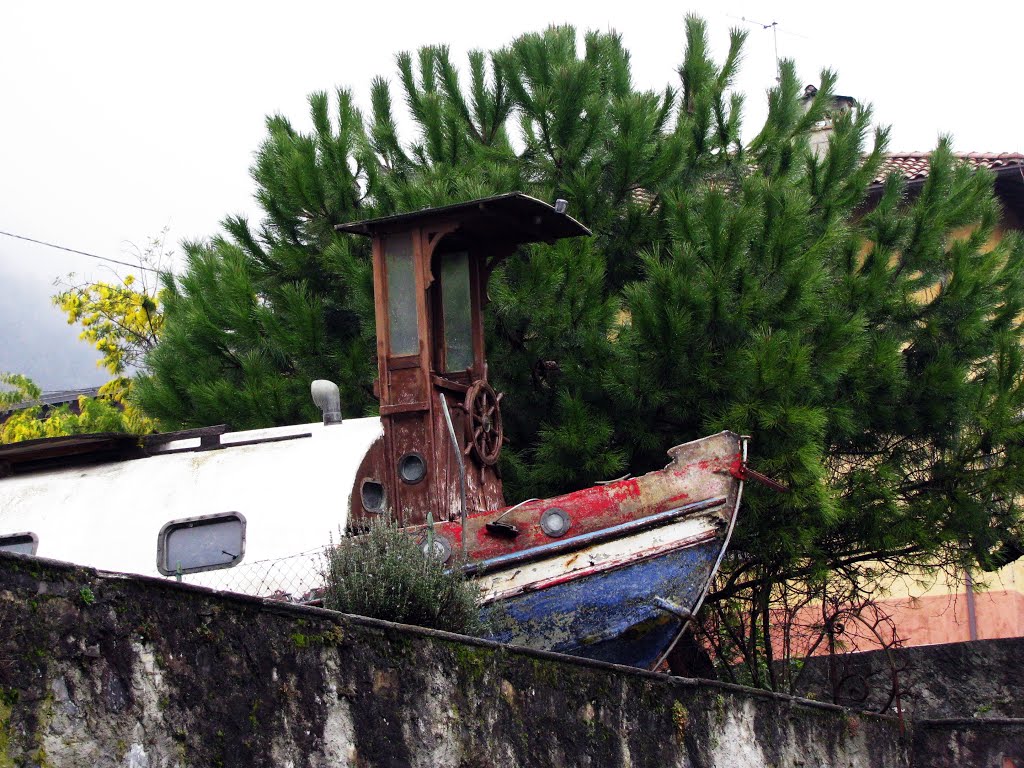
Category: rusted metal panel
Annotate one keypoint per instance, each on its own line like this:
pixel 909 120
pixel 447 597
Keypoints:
pixel 371 470
pixel 413 407
pixel 406 438
pixel 405 386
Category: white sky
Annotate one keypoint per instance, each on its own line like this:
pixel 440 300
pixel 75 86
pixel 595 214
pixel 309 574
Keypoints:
pixel 118 119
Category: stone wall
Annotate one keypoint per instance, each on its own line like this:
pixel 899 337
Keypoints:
pixel 964 699
pixel 956 743
pixel 979 679
pixel 107 670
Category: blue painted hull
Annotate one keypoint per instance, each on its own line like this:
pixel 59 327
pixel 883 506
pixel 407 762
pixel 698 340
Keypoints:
pixel 610 615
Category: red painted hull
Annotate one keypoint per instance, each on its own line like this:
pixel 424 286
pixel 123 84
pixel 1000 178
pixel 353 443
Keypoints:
pixel 700 470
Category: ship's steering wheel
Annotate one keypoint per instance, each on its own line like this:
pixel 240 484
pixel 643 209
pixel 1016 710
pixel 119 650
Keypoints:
pixel 484 428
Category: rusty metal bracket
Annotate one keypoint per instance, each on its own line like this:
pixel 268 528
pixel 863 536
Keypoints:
pixel 502 530
pixel 743 471
pixel 677 610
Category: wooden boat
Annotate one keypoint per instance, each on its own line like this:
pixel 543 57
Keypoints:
pixel 611 572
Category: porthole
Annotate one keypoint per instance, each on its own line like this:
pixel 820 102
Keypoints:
pixel 371 493
pixel 412 468
pixel 20 543
pixel 439 547
pixel 555 522
pixel 201 544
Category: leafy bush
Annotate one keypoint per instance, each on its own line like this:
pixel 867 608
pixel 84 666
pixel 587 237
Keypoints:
pixel 109 412
pixel 385 574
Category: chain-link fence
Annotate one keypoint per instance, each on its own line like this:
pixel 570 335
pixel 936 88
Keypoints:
pixel 296 579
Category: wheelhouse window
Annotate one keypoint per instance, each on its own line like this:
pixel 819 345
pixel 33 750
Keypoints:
pixel 458 311
pixel 201 543
pixel 20 543
pixel 403 335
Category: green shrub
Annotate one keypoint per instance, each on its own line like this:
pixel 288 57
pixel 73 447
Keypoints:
pixel 385 574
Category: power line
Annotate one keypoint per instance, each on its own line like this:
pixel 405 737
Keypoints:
pixel 81 253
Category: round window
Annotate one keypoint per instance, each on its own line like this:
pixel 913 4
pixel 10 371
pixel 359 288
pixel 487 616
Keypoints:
pixel 439 548
pixel 372 495
pixel 412 468
pixel 555 522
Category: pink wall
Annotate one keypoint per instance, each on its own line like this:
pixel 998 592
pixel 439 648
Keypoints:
pixel 931 620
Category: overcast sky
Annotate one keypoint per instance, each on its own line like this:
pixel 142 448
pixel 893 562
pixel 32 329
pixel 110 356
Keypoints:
pixel 120 119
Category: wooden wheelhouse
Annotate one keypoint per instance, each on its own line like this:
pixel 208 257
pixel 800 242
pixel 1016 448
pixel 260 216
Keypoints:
pixel 442 426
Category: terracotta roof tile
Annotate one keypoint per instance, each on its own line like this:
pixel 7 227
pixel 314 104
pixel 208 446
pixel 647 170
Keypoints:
pixel 914 165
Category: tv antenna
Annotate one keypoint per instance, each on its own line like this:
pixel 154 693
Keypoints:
pixel 774 27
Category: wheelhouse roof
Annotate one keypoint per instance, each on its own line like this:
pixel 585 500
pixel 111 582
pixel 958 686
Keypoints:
pixel 511 217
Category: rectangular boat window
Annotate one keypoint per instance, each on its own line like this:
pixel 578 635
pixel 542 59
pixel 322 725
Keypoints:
pixel 403 335
pixel 458 311
pixel 201 544
pixel 19 543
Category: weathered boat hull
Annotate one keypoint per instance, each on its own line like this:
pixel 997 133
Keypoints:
pixel 640 563
pixel 611 615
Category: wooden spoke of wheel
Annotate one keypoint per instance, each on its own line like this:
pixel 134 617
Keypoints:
pixel 484 429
